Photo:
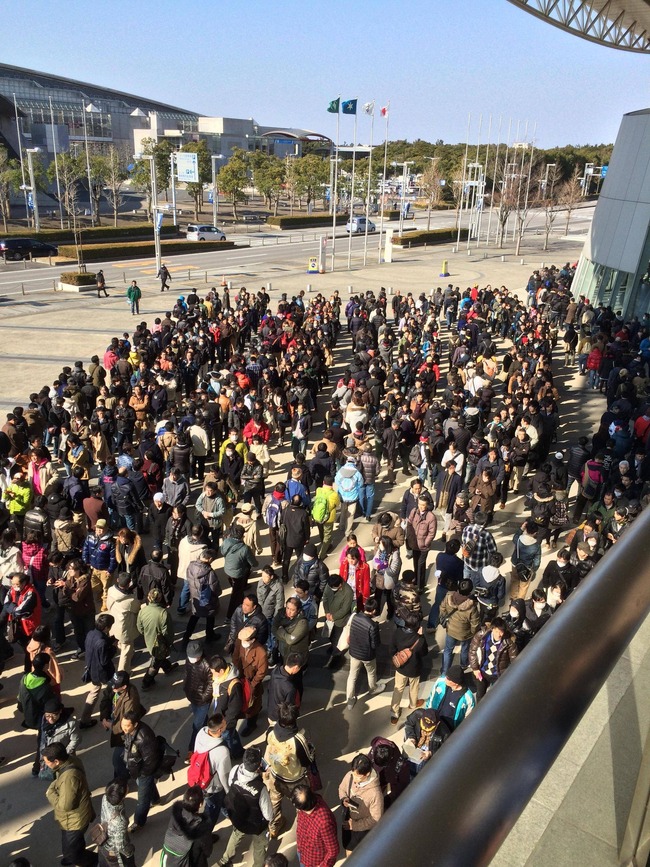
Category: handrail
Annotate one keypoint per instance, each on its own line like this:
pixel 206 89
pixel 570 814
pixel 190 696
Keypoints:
pixel 460 808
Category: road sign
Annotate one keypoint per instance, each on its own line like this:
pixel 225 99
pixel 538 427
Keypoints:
pixel 603 171
pixel 187 168
pixel 313 265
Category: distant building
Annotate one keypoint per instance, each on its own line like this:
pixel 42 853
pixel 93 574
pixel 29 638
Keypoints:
pixel 614 267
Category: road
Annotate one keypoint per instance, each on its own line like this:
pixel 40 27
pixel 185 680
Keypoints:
pixel 269 253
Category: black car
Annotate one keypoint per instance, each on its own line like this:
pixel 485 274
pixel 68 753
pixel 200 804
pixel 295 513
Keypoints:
pixel 25 248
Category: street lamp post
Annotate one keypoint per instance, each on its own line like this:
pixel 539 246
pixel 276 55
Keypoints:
pixel 30 163
pixel 215 191
pixel 94 110
pixel 404 166
pixel 154 206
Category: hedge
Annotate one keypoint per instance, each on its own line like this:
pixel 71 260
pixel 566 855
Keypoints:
pixel 99 252
pixel 306 221
pixel 433 236
pixel 97 233
pixel 75 279
pixel 393 214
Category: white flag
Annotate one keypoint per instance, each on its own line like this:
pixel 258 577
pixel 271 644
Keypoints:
pixel 369 107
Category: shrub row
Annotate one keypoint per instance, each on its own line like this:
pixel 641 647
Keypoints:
pixel 99 252
pixel 433 236
pixel 306 221
pixel 74 279
pixel 97 233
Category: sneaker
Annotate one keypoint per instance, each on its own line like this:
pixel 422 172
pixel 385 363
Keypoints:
pixel 351 703
pixel 173 666
pixel 181 610
pixel 431 630
pixel 134 827
pixel 214 636
pixel 88 725
pixel 380 687
pixel 394 720
pixel 79 654
pixel 419 703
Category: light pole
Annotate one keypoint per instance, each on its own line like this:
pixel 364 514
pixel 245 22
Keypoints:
pixel 404 166
pixel 30 164
pixel 154 206
pixel 430 196
pixel 215 191
pixel 94 110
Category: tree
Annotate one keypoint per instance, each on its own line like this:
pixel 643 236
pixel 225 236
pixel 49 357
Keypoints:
pixel 195 190
pixel 98 178
pixel 312 173
pixel 6 176
pixel 141 173
pixel 430 185
pixel 116 175
pixel 71 169
pixel 548 200
pixel 570 195
pixel 162 152
pixel 268 177
pixel 233 177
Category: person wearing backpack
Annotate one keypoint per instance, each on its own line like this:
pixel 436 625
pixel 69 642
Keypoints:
pixel 408 647
pixel 348 483
pixel 272 509
pixel 323 513
pixel 204 595
pixel 210 765
pixel 591 482
pixel 228 699
pixel 526 557
pixel 249 809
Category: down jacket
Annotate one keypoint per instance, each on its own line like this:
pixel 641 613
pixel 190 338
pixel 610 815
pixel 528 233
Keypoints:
pixel 69 796
pixel 200 577
pixel 421 530
pixel 463 615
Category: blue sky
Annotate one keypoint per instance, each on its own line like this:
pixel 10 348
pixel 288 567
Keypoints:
pixel 281 63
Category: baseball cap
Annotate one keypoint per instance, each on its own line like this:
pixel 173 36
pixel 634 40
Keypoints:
pixel 120 679
pixel 101 523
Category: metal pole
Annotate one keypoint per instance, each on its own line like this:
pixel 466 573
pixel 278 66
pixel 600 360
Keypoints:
pixel 214 189
pixel 172 161
pixel 336 181
pixel 154 202
pixel 494 183
pixel 32 181
pixel 22 160
pixel 383 184
pixel 56 163
pixel 90 191
pixel 365 240
pixel 462 192
pixel 354 163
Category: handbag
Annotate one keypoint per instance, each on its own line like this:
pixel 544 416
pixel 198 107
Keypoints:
pixel 524 573
pixel 12 631
pixel 344 639
pixel 402 656
pixel 99 833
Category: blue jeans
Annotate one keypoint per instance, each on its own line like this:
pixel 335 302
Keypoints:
pixel 472 574
pixel 213 804
pixel 432 620
pixel 231 739
pixel 199 718
pixel 184 598
pixel 130 521
pixel 450 645
pixel 271 641
pixel 119 766
pixel 366 499
pixel 147 792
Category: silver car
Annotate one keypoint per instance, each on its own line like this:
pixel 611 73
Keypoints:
pixel 197 232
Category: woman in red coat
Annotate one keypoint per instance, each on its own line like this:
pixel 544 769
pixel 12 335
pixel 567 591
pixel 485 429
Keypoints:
pixel 256 427
pixel 23 608
pixel 357 575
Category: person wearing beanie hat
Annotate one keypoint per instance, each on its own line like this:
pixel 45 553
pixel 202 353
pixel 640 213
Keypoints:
pixel 59 726
pixel 424 733
pixel 451 697
pixel 197 686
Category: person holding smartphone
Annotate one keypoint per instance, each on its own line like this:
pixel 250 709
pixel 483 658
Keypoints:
pixel 363 802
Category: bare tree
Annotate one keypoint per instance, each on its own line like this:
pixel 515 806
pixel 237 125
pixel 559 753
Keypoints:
pixel 570 195
pixel 430 185
pixel 71 170
pixel 116 175
pixel 548 200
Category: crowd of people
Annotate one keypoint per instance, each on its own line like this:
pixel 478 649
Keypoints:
pixel 139 490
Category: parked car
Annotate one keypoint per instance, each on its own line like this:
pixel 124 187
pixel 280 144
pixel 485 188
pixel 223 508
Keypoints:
pixel 357 225
pixel 204 233
pixel 25 248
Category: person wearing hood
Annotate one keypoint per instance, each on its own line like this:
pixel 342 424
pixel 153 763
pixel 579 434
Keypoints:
pixel 190 547
pixel 155 625
pixel 459 615
pixel 490 589
pixel 249 657
pixel 228 700
pixel 204 595
pixel 34 691
pixel 238 561
pixel 288 756
pixel 129 553
pixel 59 725
pixel 249 809
pixel 526 557
pixel 210 739
pixel 362 799
pixel 117 850
pixel 451 698
pixel 70 798
pixel 348 483
pixel 542 508
pixel 247 520
pixel 99 554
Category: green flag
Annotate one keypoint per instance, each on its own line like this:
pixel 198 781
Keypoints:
pixel 333 107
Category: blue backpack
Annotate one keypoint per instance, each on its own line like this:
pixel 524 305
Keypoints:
pixel 272 516
pixel 205 596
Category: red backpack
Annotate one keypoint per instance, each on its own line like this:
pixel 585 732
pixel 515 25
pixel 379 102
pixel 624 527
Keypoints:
pixel 199 772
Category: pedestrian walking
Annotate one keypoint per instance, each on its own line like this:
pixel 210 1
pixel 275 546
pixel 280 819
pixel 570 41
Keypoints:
pixel 165 277
pixel 249 808
pixel 69 796
pixel 101 284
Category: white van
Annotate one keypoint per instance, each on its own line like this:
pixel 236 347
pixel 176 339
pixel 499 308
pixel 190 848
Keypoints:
pixel 204 233
pixel 357 225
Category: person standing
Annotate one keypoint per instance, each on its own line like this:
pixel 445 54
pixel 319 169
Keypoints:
pixel 288 756
pixel 249 809
pixel 119 698
pixel 210 740
pixel 451 698
pixel 142 756
pixel 348 483
pixel 197 686
pixel 123 606
pixel 323 513
pixel 155 625
pixel 421 530
pixel 100 650
pixel 295 520
pixel 459 612
pixel 407 639
pixel 339 604
pixel 205 590
pixel 117 850
pixel 99 554
pixel 249 658
pixel 228 698
pixel 134 294
pixel 165 277
pixel 69 796
pixel 101 284
pixel 316 839
pixel 491 652
pixel 364 641
pixel 188 840
pixel 361 796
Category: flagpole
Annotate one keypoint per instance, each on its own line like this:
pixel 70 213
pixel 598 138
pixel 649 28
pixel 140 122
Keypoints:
pixel 354 162
pixel 383 183
pixel 22 162
pixel 365 240
pixel 462 192
pixel 494 183
pixel 336 181
pixel 56 164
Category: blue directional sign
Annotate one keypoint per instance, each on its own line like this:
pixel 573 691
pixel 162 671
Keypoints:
pixel 603 171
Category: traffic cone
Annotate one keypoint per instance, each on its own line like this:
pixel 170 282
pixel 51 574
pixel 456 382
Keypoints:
pixel 223 280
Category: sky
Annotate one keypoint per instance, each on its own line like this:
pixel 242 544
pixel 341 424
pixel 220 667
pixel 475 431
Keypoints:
pixel 437 61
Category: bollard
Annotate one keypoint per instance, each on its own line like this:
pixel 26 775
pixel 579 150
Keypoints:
pixel 444 271
pixel 469 252
pixel 308 287
pixel 349 290
pixel 22 286
pixel 390 290
pixel 206 276
pixel 188 275
pixel 521 262
pixel 503 258
pixel 454 249
pixel 124 276
pixel 269 286
pixel 230 285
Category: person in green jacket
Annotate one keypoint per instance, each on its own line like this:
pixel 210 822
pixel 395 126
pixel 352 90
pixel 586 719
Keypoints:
pixel 134 294
pixel 69 796
pixel 339 604
pixel 238 561
pixel 156 627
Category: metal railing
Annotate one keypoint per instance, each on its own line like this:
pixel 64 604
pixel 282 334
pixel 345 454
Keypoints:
pixel 460 809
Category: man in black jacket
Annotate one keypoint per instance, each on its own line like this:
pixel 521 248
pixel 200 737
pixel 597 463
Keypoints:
pixel 283 685
pixel 249 613
pixel 197 686
pixel 408 637
pixel 142 757
pixel 249 808
pixel 295 519
pixel 126 500
pixel 155 575
pixel 364 641
pixel 159 514
pixel 312 570
pixel 100 649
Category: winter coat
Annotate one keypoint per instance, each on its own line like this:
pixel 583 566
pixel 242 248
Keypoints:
pixel 270 597
pixel 296 520
pixel 54 669
pixel 113 706
pixel 116 823
pixel 314 572
pixel 156 627
pixel 197 681
pixel 463 615
pixel 394 531
pixel 247 519
pixel 200 577
pixel 176 492
pixel 69 796
pixel 124 608
pixel 421 530
pixel 364 638
pixel 339 603
pixel 256 619
pixel 64 731
pixel 99 552
pixel 100 650
pixel 156 575
pixel 125 496
pixel 465 702
pixel 482 494
pixel 282 687
pixel 238 559
pixel 218 757
pixel 505 656
pixel 33 692
pixel 403 638
pixel 292 634
pixel 67 536
pixel 142 752
pixel 368 797
pixel 253 664
pixel 228 697
pixel 130 558
pixel 188 549
pixel 348 482
pixel 493 585
pixel 37 521
pixel 369 467
pixel 527 551
pixel 11 561
pixel 362 581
